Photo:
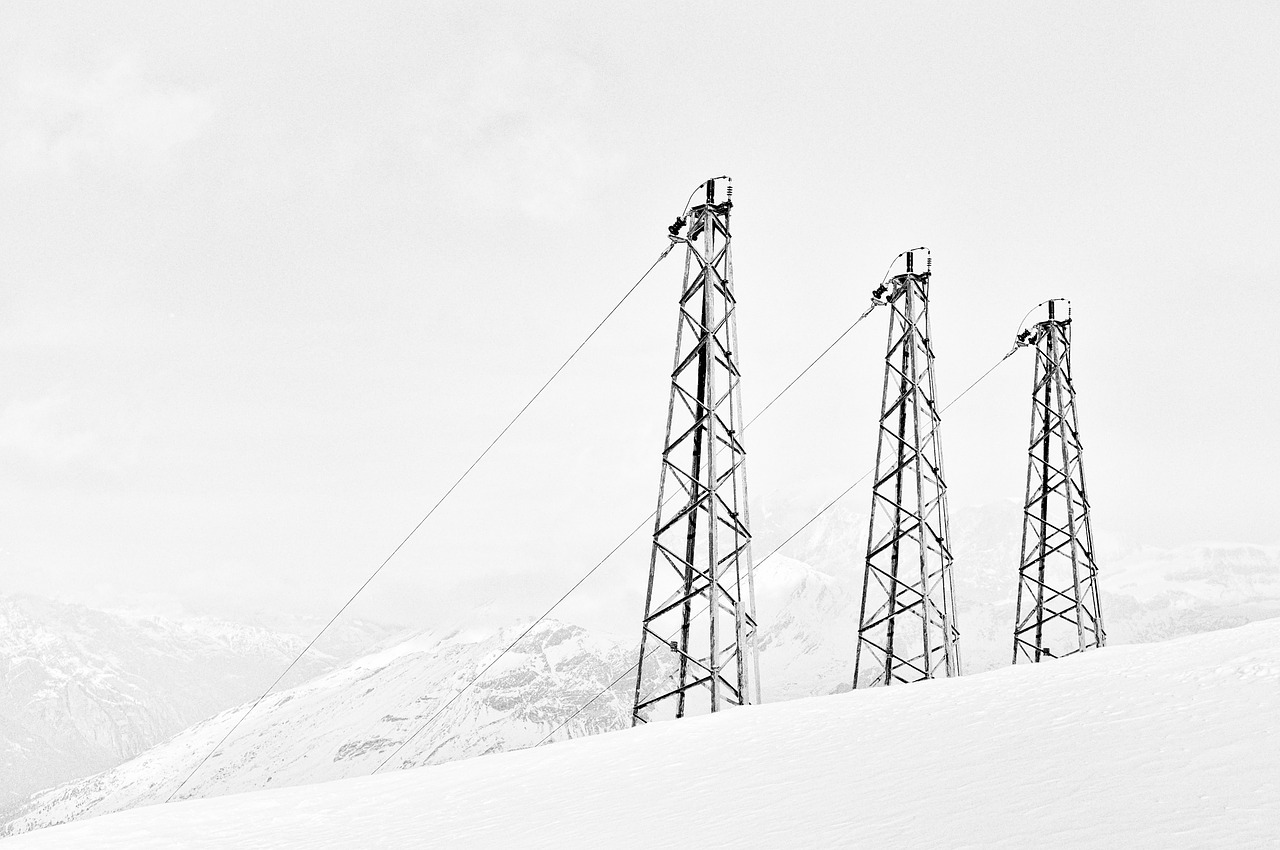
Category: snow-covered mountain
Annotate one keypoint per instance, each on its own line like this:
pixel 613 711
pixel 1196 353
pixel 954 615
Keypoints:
pixel 347 722
pixel 1164 745
pixel 808 628
pixel 1149 594
pixel 82 690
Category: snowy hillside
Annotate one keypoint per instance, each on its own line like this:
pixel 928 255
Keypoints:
pixel 1163 745
pixel 83 690
pixel 1149 594
pixel 345 723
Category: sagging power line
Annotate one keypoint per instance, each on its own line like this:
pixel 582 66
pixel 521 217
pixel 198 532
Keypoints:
pixel 702 532
pixel 430 512
pixel 790 537
pixel 635 530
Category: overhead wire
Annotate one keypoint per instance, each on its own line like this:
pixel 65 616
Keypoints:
pixel 792 536
pixel 590 572
pixel 427 516
pixel 660 645
pixel 511 646
pixel 787 387
pixel 442 499
pixel 981 378
pixel 812 363
pixel 632 533
pixel 657 645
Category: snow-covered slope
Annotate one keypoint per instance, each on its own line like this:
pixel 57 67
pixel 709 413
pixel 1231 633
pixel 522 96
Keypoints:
pixel 1162 745
pixel 345 723
pixel 82 690
pixel 1149 594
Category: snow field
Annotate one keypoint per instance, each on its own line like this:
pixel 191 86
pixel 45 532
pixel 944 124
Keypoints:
pixel 1162 745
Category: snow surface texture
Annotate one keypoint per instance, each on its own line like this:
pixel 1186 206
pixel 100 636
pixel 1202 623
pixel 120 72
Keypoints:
pixel 1164 745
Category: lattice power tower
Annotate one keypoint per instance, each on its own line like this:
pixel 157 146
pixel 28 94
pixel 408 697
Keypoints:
pixel 1059 612
pixel 907 629
pixel 697 647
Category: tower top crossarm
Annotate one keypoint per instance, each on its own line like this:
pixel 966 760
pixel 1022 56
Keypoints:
pixel 697 213
pixel 891 288
pixel 1057 311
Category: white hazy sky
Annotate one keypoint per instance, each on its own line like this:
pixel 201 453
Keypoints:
pixel 272 274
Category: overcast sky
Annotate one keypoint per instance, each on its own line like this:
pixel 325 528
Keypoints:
pixel 273 274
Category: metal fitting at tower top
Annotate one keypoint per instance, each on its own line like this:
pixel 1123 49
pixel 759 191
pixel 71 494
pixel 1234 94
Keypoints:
pixel 1059 609
pixel 907 627
pixel 697 644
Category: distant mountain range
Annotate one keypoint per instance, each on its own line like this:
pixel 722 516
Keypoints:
pixel 83 690
pixel 348 721
pixel 1163 745
pixel 345 722
pixel 1148 593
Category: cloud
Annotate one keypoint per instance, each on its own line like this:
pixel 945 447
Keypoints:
pixel 513 131
pixel 62 122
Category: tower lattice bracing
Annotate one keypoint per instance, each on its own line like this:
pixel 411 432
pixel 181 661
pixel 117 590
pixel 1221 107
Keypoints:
pixel 1059 611
pixel 697 647
pixel 907 629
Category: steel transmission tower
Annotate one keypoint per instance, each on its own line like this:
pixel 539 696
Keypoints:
pixel 697 647
pixel 907 629
pixel 1059 611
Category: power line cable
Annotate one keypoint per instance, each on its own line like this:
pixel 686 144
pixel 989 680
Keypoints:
pixel 813 363
pixel 645 521
pixel 461 478
pixel 512 645
pixel 658 646
pixel 613 684
pixel 610 554
pixel 980 379
pixel 428 514
pixel 773 552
